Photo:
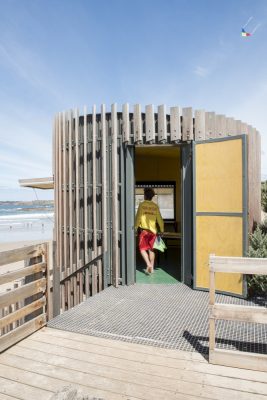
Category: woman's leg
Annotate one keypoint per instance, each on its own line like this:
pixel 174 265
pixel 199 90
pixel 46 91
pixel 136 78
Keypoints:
pixel 146 258
pixel 151 254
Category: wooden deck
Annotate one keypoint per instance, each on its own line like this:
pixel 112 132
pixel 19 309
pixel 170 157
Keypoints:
pixel 50 359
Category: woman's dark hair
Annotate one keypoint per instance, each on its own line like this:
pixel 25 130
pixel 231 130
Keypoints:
pixel 149 193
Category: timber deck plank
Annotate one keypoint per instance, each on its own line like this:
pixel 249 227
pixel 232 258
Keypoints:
pixel 143 377
pixel 120 345
pixel 154 358
pixel 50 359
pixel 6 397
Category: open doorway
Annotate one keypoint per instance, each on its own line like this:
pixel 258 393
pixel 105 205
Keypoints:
pixel 159 167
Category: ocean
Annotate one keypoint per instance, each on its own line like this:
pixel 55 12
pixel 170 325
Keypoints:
pixel 21 221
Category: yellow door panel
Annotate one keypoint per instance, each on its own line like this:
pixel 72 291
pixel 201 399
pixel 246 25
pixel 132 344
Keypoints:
pixel 222 236
pixel 219 176
pixel 220 210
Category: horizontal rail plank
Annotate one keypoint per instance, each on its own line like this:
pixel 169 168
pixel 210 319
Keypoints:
pixel 21 332
pixel 239 359
pixel 10 256
pixel 22 312
pixel 22 292
pixel 243 265
pixel 21 273
pixel 232 312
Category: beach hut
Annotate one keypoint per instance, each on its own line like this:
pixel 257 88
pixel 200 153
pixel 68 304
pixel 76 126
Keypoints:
pixel 205 168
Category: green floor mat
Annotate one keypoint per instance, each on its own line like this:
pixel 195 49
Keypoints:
pixel 167 268
pixel 159 275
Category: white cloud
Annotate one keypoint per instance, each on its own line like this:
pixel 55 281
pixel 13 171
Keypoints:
pixel 201 71
pixel 28 66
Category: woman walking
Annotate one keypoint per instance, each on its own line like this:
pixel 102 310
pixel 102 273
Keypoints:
pixel 147 219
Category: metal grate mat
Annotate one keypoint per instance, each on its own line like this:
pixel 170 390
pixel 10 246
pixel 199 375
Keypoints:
pixel 168 316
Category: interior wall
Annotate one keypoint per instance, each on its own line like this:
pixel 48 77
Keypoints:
pixel 160 164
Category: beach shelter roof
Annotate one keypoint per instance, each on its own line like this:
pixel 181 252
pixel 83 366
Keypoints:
pixel 38 183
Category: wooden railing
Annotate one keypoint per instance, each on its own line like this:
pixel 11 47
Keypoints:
pixel 24 305
pixel 231 312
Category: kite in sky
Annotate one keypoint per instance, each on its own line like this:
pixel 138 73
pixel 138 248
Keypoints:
pixel 245 33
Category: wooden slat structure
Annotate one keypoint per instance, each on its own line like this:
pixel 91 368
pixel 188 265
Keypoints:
pixel 51 359
pixel 239 359
pixel 24 308
pixel 89 155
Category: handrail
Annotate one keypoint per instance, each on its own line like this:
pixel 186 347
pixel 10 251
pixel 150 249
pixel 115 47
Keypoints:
pixel 25 303
pixel 232 312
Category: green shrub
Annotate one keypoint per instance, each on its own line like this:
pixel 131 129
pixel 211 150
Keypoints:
pixel 257 284
pixel 264 196
pixel 263 227
pixel 258 243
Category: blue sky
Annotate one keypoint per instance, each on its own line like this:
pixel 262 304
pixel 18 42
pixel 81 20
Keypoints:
pixel 60 54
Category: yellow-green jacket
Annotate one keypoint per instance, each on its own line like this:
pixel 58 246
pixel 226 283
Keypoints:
pixel 147 216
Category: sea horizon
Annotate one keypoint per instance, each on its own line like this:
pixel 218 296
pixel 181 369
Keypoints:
pixel 26 220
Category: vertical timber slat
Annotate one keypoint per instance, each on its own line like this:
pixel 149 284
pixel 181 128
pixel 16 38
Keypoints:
pixel 210 125
pixel 94 179
pixel 258 175
pixel 104 192
pixel 94 275
pixel 254 178
pixel 121 215
pixel 150 123
pixel 87 283
pixel 234 127
pixel 125 123
pixel 200 125
pixel 212 320
pixel 138 127
pixel 81 287
pixel 77 191
pixel 250 176
pixel 218 125
pixel 244 128
pixel 85 183
pixel 58 191
pixel 99 205
pixel 175 118
pixel 162 124
pixel 187 126
pixel 238 127
pixel 229 126
pixel 56 270
pixel 70 192
pixel 60 225
pixel 67 286
pixel 64 167
pixel 115 254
